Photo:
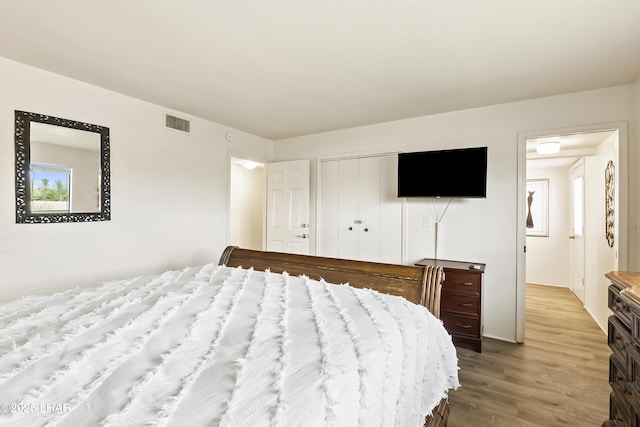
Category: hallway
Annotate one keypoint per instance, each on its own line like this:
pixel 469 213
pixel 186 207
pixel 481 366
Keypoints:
pixel 558 377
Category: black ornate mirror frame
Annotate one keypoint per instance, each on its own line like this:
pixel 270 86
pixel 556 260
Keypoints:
pixel 23 121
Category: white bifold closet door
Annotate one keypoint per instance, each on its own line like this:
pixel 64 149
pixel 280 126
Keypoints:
pixel 360 214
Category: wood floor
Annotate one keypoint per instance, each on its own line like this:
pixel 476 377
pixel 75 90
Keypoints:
pixel 558 377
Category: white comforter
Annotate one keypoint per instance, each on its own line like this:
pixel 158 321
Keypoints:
pixel 224 346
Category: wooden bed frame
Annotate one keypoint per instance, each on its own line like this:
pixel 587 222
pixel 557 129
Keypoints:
pixel 420 285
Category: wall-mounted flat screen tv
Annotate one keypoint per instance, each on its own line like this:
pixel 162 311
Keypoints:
pixel 443 173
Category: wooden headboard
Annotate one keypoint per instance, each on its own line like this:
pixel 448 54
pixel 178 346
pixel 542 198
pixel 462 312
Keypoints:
pixel 404 280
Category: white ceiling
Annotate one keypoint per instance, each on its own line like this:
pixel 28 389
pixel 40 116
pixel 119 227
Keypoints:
pixel 572 147
pixel 288 67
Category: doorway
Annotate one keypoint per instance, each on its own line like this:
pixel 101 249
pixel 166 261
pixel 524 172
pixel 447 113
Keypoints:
pixel 551 258
pixel 576 230
pixel 246 203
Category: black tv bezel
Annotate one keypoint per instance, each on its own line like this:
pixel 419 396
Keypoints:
pixel 402 190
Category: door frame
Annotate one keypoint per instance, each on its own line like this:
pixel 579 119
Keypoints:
pixel 622 204
pixel 578 240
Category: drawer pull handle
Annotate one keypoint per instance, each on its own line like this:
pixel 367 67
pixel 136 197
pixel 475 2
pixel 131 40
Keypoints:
pixel 463 326
pixel 465 283
pixel 465 305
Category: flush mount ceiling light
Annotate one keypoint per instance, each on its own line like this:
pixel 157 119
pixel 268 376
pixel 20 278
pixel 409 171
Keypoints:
pixel 248 164
pixel 548 147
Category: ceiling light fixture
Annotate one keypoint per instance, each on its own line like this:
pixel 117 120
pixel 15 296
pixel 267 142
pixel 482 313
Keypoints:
pixel 248 164
pixel 548 147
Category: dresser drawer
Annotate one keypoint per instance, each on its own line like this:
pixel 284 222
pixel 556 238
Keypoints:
pixel 461 325
pixel 620 306
pixel 460 304
pixel 617 376
pixel 633 373
pixel 635 326
pixel 618 412
pixel 461 282
pixel 619 339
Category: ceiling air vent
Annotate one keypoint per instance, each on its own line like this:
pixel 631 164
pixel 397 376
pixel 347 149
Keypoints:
pixel 177 123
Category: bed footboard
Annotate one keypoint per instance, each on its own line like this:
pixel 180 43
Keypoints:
pixel 403 280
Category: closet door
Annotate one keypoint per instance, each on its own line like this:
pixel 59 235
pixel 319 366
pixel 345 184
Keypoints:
pixel 360 215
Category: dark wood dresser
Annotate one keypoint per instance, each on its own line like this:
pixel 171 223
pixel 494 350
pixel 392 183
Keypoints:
pixel 624 341
pixel 461 301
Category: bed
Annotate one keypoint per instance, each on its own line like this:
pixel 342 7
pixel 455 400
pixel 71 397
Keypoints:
pixel 258 338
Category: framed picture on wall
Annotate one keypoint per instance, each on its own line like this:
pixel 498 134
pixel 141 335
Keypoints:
pixel 537 207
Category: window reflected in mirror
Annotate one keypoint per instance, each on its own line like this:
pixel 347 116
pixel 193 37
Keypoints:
pixel 50 188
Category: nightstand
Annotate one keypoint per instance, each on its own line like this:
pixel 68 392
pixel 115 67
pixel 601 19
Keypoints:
pixel 461 301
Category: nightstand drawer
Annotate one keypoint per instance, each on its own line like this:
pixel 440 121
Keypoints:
pixel 461 282
pixel 460 304
pixel 461 325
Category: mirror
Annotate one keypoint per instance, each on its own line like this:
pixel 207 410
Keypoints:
pixel 62 170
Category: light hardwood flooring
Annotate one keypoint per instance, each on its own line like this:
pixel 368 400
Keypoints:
pixel 557 377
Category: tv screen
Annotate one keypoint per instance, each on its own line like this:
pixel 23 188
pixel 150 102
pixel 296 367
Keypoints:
pixel 443 173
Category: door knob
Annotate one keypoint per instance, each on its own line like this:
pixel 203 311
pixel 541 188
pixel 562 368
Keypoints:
pixel 572 236
pixel 302 236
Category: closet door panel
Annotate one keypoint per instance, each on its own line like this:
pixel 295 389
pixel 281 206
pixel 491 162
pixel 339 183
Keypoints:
pixel 329 226
pixel 368 209
pixel 348 209
pixel 390 212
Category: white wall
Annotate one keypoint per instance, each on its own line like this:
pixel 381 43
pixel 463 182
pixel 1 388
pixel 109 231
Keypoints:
pixel 169 191
pixel 602 258
pixel 473 230
pixel 548 257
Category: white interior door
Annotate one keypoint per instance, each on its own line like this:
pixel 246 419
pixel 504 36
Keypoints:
pixel 576 245
pixel 288 206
